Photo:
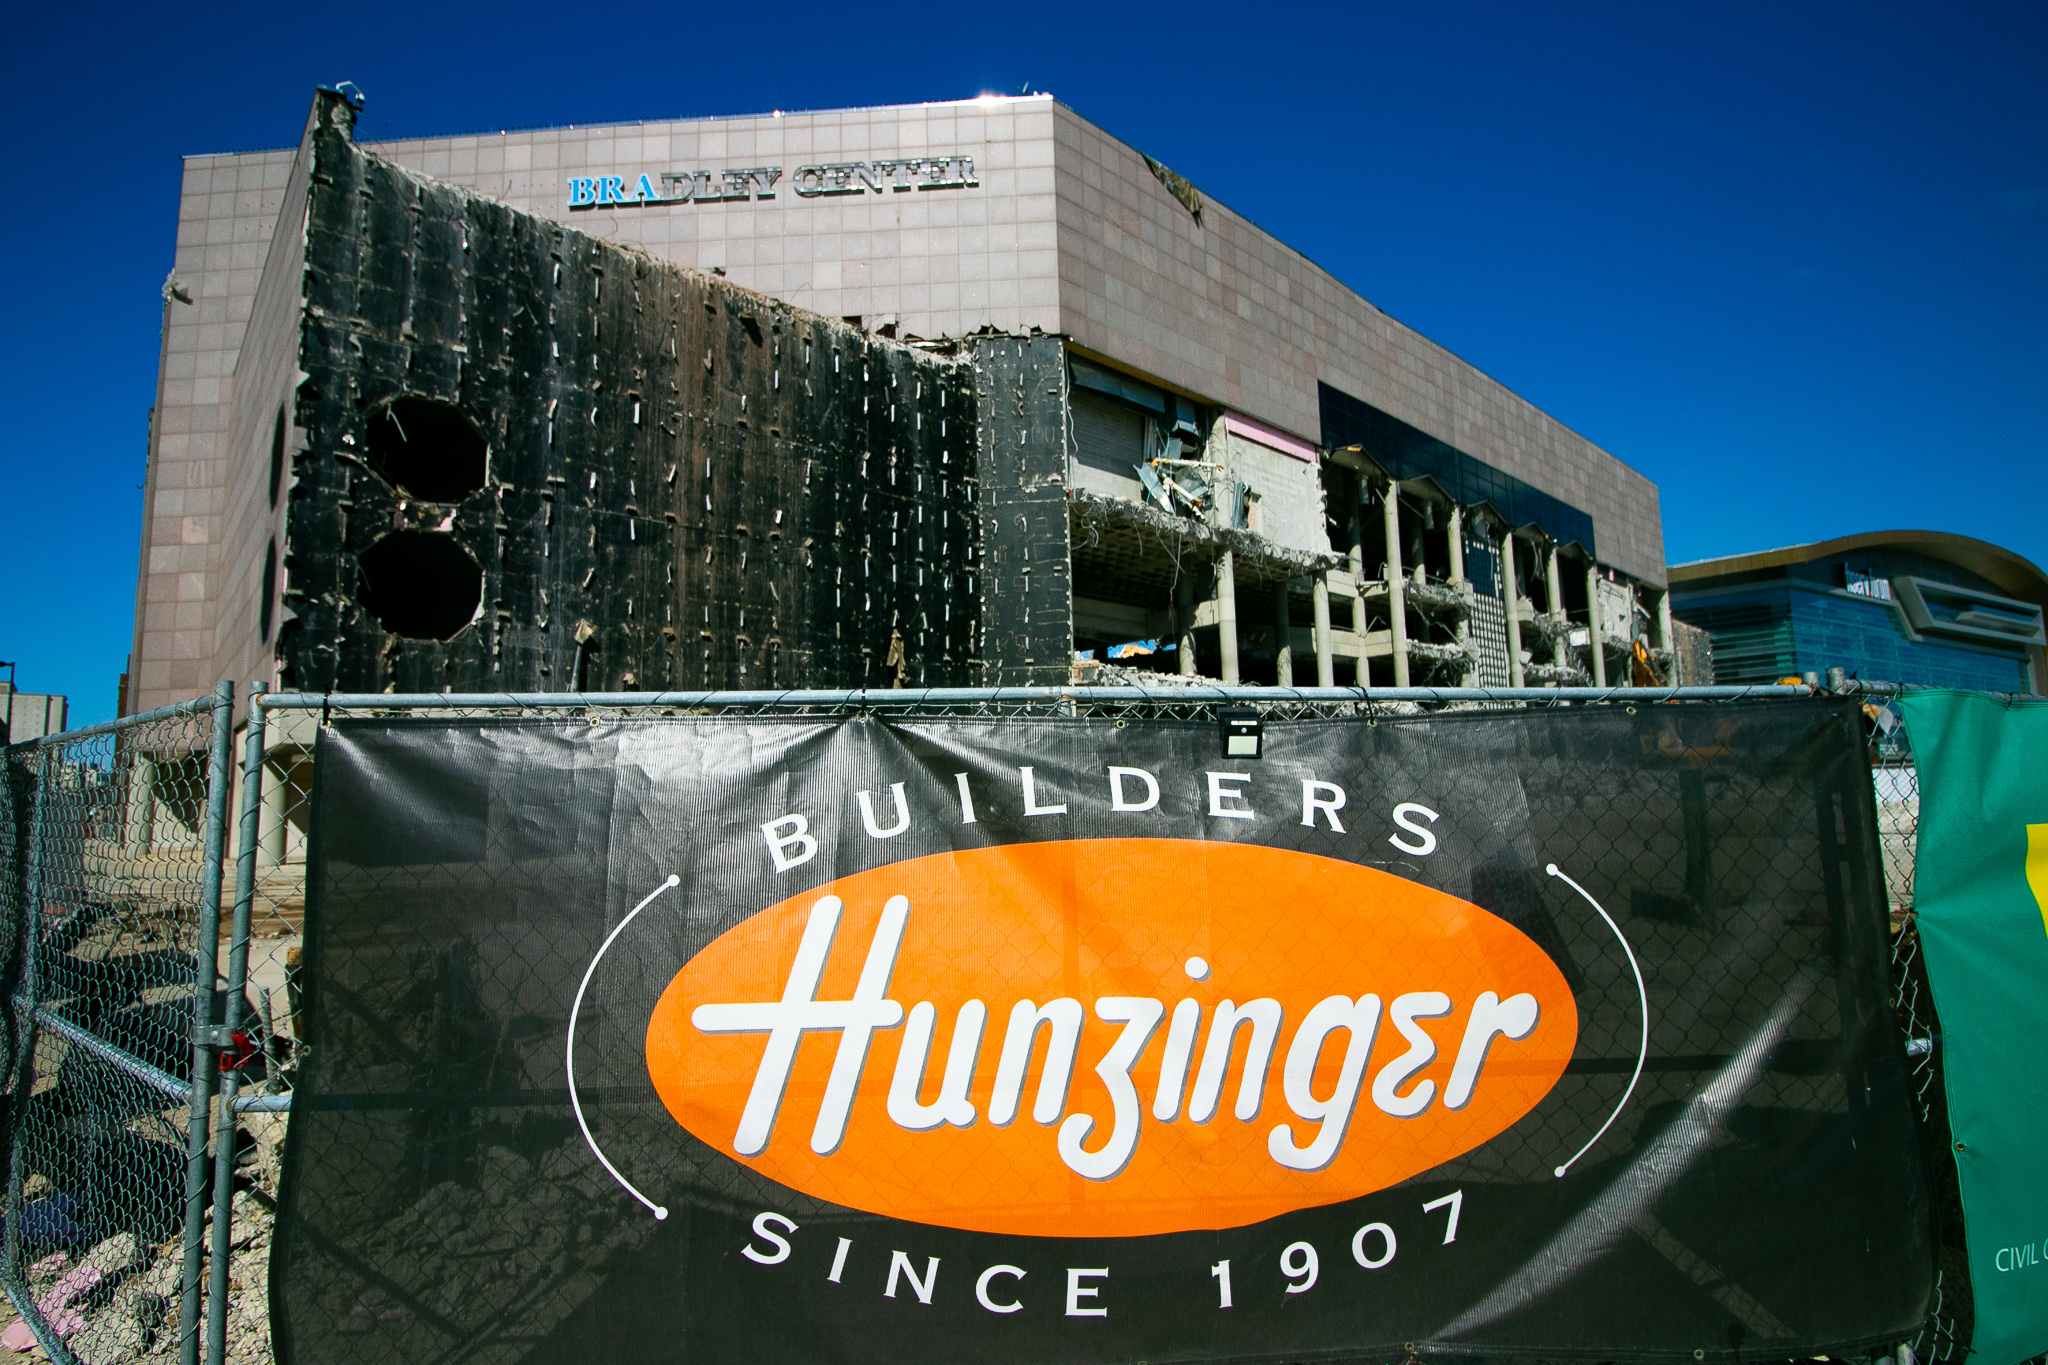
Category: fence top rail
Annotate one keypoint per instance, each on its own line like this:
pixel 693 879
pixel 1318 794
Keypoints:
pixel 1857 686
pixel 888 698
pixel 196 706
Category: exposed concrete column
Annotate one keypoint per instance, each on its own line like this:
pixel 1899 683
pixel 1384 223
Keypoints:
pixel 1511 581
pixel 1184 613
pixel 1397 596
pixel 1556 586
pixel 1326 663
pixel 1283 629
pixel 1634 603
pixel 141 802
pixel 271 817
pixel 1226 614
pixel 1665 638
pixel 1464 626
pixel 1598 645
pixel 1357 528
pixel 1358 620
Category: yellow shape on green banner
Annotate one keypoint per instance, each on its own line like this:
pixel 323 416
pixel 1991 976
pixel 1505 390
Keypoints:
pixel 2037 867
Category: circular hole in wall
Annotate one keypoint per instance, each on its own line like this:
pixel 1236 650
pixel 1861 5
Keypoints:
pixel 277 457
pixel 269 608
pixel 420 584
pixel 426 449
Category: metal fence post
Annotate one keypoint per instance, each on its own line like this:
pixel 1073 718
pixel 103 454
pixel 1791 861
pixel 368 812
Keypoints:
pixel 25 1059
pixel 206 962
pixel 225 1131
pixel 12 853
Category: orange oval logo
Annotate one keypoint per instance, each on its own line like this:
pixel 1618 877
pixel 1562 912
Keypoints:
pixel 1109 1037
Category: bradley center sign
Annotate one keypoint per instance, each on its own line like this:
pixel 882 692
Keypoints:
pixel 750 1038
pixel 746 183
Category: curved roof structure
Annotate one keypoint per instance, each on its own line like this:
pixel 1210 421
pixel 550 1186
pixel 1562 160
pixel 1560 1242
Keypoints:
pixel 2012 573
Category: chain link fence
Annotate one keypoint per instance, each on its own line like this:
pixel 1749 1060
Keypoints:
pixel 110 902
pixel 143 1174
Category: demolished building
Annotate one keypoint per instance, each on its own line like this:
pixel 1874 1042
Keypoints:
pixel 568 410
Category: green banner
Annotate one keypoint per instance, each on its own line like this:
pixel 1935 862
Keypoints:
pixel 1981 884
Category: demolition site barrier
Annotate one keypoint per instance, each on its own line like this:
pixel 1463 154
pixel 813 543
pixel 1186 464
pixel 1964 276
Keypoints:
pixel 156 1025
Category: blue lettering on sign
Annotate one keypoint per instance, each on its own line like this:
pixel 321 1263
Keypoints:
pixel 758 182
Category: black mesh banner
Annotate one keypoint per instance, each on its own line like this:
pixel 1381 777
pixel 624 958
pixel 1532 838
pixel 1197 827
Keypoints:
pixel 1535 1035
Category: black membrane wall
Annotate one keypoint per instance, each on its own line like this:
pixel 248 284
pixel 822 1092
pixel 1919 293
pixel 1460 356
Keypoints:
pixel 682 484
pixel 1027 591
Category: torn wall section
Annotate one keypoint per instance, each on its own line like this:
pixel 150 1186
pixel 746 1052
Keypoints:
pixel 534 461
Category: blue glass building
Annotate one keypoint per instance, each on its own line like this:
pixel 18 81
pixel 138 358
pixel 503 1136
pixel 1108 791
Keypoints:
pixel 1920 607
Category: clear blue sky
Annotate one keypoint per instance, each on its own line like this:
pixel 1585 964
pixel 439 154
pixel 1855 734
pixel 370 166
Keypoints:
pixel 1789 261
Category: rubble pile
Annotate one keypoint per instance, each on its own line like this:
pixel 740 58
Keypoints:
pixel 118 1302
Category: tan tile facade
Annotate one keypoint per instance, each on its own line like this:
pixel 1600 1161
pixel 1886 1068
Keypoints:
pixel 227 209
pixel 1066 232
pixel 944 262
pixel 1225 311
